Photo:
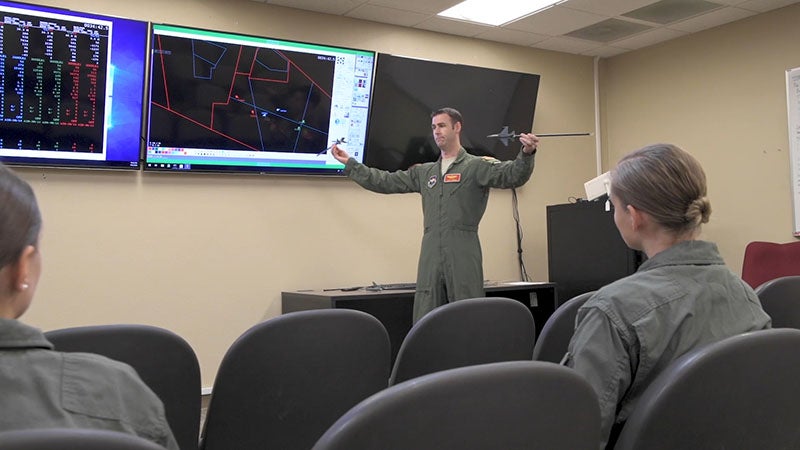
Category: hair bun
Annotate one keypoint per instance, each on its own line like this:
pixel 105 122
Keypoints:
pixel 699 211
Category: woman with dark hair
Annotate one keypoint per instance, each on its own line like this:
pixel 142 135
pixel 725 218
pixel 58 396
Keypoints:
pixel 681 298
pixel 42 388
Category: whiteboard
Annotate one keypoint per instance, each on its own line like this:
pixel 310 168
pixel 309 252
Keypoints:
pixel 793 109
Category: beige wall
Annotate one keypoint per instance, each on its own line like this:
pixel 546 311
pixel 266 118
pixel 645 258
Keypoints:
pixel 720 94
pixel 207 256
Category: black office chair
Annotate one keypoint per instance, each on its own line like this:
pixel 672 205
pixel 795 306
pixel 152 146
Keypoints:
pixel 286 380
pixel 507 405
pixel 738 393
pixel 163 360
pixel 780 298
pixel 72 439
pixel 553 340
pixel 463 333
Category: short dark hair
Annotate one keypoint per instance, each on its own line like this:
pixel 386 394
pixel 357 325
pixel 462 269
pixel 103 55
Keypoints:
pixel 455 116
pixel 20 219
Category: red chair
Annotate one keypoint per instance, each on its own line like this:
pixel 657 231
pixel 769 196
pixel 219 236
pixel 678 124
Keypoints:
pixel 765 261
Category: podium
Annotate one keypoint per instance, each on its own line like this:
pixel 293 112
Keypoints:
pixel 394 308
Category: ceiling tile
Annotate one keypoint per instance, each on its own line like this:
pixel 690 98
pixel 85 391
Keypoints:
pixel 568 45
pixel 328 7
pixel 608 8
pixel 450 26
pixel 555 21
pixel 729 2
pixel 605 51
pixel 387 15
pixel 423 6
pixel 649 38
pixel 547 29
pixel 511 36
pixel 711 20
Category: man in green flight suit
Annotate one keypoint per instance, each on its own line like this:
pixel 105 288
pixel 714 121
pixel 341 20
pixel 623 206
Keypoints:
pixel 455 191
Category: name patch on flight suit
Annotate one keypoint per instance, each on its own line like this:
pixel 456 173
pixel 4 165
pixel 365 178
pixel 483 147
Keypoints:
pixel 452 178
pixel 432 181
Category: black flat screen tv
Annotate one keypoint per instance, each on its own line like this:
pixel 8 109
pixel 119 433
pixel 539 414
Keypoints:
pixel 407 90
pixel 72 88
pixel 224 102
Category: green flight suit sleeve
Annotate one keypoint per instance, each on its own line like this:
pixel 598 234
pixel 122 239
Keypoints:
pixel 506 174
pixel 382 181
pixel 598 351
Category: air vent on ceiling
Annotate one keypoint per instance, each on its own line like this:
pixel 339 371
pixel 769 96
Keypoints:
pixel 668 11
pixel 608 30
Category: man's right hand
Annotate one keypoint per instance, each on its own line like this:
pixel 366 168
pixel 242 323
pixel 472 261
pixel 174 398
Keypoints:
pixel 340 154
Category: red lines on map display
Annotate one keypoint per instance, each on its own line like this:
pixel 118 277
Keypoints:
pixel 250 77
pixel 225 91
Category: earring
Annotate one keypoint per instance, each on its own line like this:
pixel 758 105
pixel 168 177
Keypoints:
pixel 24 286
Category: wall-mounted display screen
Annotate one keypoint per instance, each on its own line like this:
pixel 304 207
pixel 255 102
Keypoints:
pixel 72 88
pixel 226 102
pixel 407 90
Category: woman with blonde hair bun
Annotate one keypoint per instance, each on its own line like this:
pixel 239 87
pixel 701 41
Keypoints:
pixel 681 298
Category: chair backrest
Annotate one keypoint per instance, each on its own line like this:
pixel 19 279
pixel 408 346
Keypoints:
pixel 738 393
pixel 284 381
pixel 553 340
pixel 780 298
pixel 505 405
pixel 72 439
pixel 163 360
pixel 463 333
pixel 764 261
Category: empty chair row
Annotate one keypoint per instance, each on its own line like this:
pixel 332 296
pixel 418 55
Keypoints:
pixel 295 374
pixel 704 399
pixel 281 384
pixel 298 372
pixel 286 381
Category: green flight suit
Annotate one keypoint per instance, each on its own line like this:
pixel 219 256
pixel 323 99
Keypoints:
pixel 629 331
pixel 43 388
pixel 450 261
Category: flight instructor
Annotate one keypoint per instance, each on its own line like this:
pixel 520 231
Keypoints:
pixel 455 191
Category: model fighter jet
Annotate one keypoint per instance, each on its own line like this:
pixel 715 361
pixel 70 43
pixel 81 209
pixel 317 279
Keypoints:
pixel 505 136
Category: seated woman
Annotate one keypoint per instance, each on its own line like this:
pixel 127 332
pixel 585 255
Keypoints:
pixel 42 388
pixel 681 298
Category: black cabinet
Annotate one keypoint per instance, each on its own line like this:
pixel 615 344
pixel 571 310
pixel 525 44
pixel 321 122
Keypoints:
pixel 584 248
